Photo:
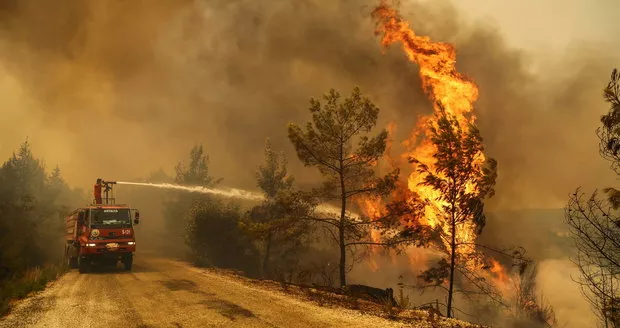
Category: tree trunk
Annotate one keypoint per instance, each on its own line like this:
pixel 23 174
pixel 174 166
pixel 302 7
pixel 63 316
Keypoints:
pixel 452 263
pixel 341 227
pixel 266 258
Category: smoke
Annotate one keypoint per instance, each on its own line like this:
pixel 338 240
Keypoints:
pixel 557 286
pixel 118 89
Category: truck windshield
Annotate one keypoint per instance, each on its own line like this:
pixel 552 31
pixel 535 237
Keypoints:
pixel 112 217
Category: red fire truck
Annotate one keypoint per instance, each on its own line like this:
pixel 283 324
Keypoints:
pixel 101 232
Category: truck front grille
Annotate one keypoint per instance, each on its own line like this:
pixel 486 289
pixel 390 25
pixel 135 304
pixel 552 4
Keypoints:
pixel 105 250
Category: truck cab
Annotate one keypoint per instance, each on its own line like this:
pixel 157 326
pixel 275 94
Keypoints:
pixel 101 233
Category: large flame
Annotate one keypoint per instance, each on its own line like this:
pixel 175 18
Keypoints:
pixel 446 88
pixel 456 94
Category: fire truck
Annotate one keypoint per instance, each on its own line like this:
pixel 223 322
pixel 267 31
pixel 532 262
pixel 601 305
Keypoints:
pixel 102 232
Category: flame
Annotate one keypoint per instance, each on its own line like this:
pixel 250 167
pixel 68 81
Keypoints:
pixel 447 89
pixel 503 281
pixel 456 94
pixel 499 272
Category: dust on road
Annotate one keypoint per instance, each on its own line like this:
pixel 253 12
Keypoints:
pixel 166 293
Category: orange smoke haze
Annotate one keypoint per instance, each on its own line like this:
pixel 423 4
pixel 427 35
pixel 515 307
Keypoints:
pixel 120 89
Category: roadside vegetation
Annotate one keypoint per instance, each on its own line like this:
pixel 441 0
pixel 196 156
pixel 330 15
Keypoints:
pixel 291 240
pixel 32 204
pixel 288 239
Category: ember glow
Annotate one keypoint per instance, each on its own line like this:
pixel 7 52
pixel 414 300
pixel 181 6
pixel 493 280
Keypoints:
pixel 499 272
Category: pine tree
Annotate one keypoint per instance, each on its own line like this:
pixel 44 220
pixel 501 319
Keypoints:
pixel 463 182
pixel 336 142
pixel 278 221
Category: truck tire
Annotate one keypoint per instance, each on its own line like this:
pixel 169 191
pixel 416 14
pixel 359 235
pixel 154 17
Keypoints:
pixel 128 262
pixel 83 265
pixel 67 259
pixel 73 262
pixel 70 261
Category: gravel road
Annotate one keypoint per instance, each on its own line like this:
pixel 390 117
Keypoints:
pixel 160 292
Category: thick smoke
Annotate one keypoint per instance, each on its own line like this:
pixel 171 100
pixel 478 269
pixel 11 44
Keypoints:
pixel 115 89
pixel 119 89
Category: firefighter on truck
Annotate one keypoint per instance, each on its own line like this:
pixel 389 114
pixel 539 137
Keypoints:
pixel 102 232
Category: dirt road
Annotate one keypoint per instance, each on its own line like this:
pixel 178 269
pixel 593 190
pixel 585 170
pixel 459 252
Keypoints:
pixel 165 293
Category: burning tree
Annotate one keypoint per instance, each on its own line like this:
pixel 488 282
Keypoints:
pixel 595 225
pixel 453 176
pixel 328 144
pixel 459 179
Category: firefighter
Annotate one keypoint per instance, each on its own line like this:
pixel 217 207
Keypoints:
pixel 97 192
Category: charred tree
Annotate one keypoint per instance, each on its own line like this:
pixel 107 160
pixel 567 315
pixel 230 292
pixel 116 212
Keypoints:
pixel 527 305
pixel 609 131
pixel 594 223
pixel 595 230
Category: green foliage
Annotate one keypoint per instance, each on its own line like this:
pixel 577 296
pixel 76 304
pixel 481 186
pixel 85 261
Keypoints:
pixel 280 225
pixel 336 142
pixel 194 172
pixel 209 227
pixel 277 224
pixel 32 205
pixel 215 239
pixel 30 219
pixel 328 143
pixel 272 176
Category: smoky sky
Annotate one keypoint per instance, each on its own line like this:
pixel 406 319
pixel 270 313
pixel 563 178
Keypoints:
pixel 120 89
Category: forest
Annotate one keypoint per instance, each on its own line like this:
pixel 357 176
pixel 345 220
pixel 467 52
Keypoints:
pixel 292 237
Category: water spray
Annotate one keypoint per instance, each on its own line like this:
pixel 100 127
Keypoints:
pixel 229 192
pixel 232 192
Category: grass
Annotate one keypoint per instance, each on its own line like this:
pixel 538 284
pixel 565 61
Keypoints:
pixel 403 301
pixel 30 281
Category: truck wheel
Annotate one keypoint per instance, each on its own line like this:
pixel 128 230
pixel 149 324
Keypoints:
pixel 128 262
pixel 83 265
pixel 67 259
pixel 73 262
pixel 70 261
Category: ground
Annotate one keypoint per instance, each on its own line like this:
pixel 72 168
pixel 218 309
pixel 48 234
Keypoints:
pixel 161 292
